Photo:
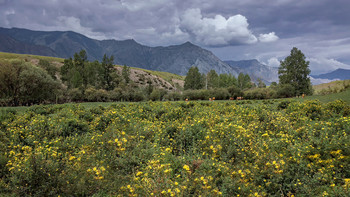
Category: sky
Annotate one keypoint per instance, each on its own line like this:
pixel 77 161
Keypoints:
pixel 265 30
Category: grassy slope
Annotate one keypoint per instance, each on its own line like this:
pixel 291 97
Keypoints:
pixel 345 96
pixel 8 56
pixel 165 75
pixel 331 85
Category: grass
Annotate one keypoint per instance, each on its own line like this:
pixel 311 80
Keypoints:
pixel 345 96
pixel 165 75
pixel 334 85
pixel 9 56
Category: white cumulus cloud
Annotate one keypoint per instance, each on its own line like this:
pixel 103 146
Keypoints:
pixel 320 65
pixel 217 31
pixel 273 62
pixel 270 37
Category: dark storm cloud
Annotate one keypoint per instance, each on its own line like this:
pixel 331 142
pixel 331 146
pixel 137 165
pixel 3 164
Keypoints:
pixel 233 29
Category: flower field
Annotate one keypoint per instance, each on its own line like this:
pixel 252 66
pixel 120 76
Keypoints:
pixel 282 148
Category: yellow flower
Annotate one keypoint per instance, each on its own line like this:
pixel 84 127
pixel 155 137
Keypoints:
pixel 71 158
pixel 186 167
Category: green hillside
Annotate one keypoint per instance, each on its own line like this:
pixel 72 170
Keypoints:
pixel 331 87
pixel 344 95
pixel 9 56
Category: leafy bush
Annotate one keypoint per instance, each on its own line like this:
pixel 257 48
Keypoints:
pixel 285 91
pixel 173 96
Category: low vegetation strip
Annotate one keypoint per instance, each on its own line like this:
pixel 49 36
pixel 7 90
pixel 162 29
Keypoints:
pixel 177 149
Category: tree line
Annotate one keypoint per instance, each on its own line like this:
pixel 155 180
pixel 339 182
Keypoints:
pixel 77 80
pixel 80 80
pixel 293 81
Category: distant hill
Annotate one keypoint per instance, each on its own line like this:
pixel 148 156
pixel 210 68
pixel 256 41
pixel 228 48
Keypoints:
pixel 255 70
pixel 341 74
pixel 9 44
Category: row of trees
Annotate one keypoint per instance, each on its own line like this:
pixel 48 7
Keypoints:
pixel 293 80
pixel 22 83
pixel 195 80
pixel 80 73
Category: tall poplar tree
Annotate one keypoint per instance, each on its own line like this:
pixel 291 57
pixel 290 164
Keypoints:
pixel 194 79
pixel 294 70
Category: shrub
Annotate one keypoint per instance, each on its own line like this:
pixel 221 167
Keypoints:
pixel 260 93
pixel 173 96
pixel 235 92
pixel 157 94
pixel 75 94
pixel 93 95
pixel 338 107
pixel 285 91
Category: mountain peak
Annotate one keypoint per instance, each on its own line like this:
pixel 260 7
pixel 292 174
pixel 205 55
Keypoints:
pixel 188 43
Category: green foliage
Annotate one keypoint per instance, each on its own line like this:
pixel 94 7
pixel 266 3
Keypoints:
pixel 273 85
pixel 36 85
pixel 212 79
pixel 219 94
pixel 126 74
pixel 173 96
pixel 51 69
pixel 177 149
pixel 261 84
pixel 294 70
pixel 107 71
pixel 157 94
pixel 24 83
pixel 285 91
pixel 194 80
pixel 75 95
pixel 10 81
pixel 227 80
pixel 260 93
pixel 235 91
pixel 94 95
pixel 244 81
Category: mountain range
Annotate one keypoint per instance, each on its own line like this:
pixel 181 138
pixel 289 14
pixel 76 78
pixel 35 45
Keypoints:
pixel 340 74
pixel 174 59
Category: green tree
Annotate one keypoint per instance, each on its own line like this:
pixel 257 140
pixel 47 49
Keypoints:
pixel 261 84
pixel 273 85
pixel 227 80
pixel 93 70
pixel 126 73
pixel 212 79
pixel 36 85
pixel 65 69
pixel 107 72
pixel 24 83
pixel 294 70
pixel 194 79
pixel 51 69
pixel 9 80
pixel 244 81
